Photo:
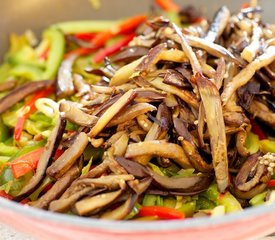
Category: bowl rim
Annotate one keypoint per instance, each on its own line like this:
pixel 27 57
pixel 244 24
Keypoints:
pixel 134 226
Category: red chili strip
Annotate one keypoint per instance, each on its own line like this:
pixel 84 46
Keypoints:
pixel 28 109
pixel 113 49
pixel 161 212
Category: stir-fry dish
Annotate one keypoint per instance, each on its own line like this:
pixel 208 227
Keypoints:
pixel 159 116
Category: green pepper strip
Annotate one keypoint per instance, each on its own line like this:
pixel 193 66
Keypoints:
pixel 6 150
pixel 230 203
pixel 56 53
pixel 149 200
pixel 4 131
pixel 27 71
pixel 267 146
pixel 258 199
pixel 188 208
pixel 83 26
pixel 252 143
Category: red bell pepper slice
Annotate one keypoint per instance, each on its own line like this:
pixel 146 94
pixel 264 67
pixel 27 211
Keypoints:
pixel 58 153
pixel 85 36
pixel 271 183
pixel 80 52
pixel 28 109
pixel 257 130
pixel 127 26
pixel 5 195
pixel 113 49
pixel 168 5
pixel 161 212
pixel 26 163
pixel 100 39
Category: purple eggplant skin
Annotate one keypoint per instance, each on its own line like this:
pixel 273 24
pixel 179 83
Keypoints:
pixel 64 83
pixel 155 191
pixel 45 160
pixel 134 168
pixel 129 54
pixel 192 184
pixel 196 183
pixel 218 24
pixel 58 188
pixel 21 92
pixel 69 157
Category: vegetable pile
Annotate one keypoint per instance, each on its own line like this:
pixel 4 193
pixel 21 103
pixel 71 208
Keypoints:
pixel 162 116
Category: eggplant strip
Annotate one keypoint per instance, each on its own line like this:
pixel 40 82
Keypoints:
pixel 247 73
pixel 158 148
pixel 213 49
pixel 254 181
pixel 113 166
pixel 188 50
pixel 250 52
pixel 215 123
pixel 19 93
pixel 80 85
pixel 218 24
pixel 106 104
pixel 114 138
pixel 120 146
pixel 88 205
pixel 176 79
pixel 63 204
pixel 123 75
pixel 173 55
pixel 134 168
pixel 144 122
pixel 65 86
pixel 130 53
pixel 235 119
pixel 240 143
pixel 45 160
pixel 146 95
pixel 190 148
pixel 103 89
pixel 131 112
pixel 185 95
pixel 165 192
pixel 58 188
pixel 220 72
pixel 201 124
pixel 261 111
pixel 158 129
pixel 69 157
pixel 140 186
pixel 122 102
pixel 151 58
pixel 251 193
pixel 197 183
pixel 75 115
pixel 247 168
pixel 122 211
pixel 111 182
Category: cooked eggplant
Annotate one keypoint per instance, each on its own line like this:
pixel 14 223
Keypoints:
pixel 45 159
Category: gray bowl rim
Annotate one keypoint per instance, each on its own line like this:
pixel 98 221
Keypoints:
pixel 134 226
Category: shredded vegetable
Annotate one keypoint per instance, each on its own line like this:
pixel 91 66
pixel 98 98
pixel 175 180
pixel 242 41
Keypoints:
pixel 152 117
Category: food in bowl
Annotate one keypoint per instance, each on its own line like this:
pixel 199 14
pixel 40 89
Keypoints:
pixel 152 117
